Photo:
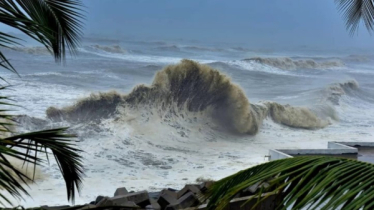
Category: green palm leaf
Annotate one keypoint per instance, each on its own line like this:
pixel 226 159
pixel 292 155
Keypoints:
pixel 355 11
pixel 57 25
pixel 28 147
pixel 54 23
pixel 303 182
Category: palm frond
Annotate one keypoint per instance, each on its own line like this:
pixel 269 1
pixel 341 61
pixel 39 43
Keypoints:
pixel 303 182
pixel 57 24
pixel 29 147
pixel 355 11
pixel 62 148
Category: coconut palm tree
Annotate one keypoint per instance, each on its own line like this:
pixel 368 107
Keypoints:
pixel 57 25
pixel 308 182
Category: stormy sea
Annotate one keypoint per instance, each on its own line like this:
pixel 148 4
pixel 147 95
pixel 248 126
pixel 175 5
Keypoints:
pixel 156 114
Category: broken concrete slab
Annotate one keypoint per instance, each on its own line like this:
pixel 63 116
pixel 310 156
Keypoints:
pixel 154 195
pixel 166 198
pixel 141 198
pixel 188 188
pixel 187 200
pixel 121 191
pixel 205 186
pixel 98 199
pixel 120 200
pixel 154 205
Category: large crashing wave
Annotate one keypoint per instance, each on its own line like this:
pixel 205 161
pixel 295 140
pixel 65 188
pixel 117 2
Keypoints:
pixel 195 88
pixel 286 63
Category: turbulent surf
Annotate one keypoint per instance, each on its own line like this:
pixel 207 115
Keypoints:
pixel 192 87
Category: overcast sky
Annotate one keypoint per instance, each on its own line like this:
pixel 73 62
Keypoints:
pixel 253 22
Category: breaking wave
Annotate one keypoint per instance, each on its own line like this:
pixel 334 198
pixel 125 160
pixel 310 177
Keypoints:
pixel 337 90
pixel 286 63
pixel 190 87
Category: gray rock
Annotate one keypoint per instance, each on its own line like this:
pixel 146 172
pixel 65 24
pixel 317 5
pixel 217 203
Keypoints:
pixel 98 199
pixel 121 191
pixel 141 198
pixel 188 188
pixel 205 186
pixel 166 198
pixel 154 195
pixel 154 205
pixel 120 200
pixel 187 200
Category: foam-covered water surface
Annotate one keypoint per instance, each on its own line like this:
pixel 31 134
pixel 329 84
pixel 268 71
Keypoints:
pixel 151 115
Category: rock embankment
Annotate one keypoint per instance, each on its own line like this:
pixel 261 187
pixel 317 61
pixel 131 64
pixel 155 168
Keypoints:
pixel 190 197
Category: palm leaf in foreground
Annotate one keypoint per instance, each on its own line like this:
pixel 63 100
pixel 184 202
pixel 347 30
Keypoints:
pixel 28 147
pixel 56 24
pixel 312 182
pixel 355 11
pixel 60 146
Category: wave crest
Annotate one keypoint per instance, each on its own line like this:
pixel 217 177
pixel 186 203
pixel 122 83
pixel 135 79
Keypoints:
pixel 335 91
pixel 286 63
pixel 192 87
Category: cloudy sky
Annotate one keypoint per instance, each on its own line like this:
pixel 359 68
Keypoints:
pixel 250 22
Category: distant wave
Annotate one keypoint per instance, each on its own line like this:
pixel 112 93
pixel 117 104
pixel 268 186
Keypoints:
pixel 110 48
pixel 286 63
pixel 169 47
pixel 357 58
pixel 189 48
pixel 199 48
pixel 36 50
pixel 242 49
pixel 190 87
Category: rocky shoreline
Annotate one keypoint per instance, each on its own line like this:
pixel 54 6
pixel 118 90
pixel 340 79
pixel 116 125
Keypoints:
pixel 190 197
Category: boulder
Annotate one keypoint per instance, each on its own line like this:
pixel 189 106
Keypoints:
pixel 98 199
pixel 121 191
pixel 188 188
pixel 141 198
pixel 205 186
pixel 154 195
pixel 187 200
pixel 120 200
pixel 166 198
